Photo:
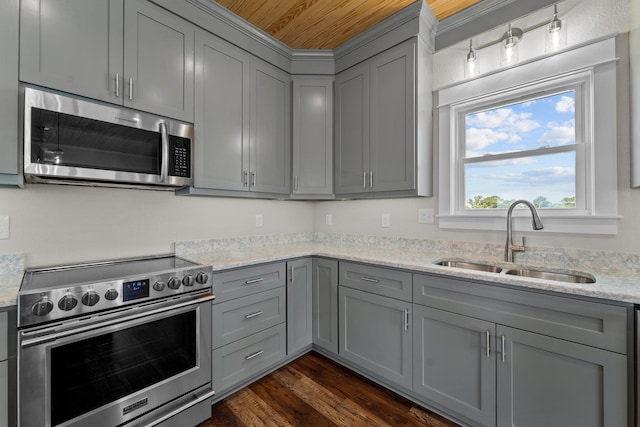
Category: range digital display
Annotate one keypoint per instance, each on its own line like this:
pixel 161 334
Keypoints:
pixel 135 290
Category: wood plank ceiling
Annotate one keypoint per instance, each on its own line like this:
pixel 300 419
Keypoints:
pixel 326 24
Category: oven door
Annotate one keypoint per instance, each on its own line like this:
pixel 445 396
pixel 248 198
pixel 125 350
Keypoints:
pixel 110 373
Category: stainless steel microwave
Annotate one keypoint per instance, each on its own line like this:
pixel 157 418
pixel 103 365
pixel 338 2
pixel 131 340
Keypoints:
pixel 69 140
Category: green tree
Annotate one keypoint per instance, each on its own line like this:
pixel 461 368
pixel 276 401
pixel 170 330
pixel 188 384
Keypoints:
pixel 542 202
pixel 480 202
pixel 567 202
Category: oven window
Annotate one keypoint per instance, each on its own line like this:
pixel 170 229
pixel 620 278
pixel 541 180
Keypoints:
pixel 68 140
pixel 93 372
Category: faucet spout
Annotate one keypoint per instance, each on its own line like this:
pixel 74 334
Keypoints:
pixel 536 225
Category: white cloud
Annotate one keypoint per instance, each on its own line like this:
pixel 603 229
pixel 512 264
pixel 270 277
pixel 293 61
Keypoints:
pixel 566 105
pixel 503 120
pixel 477 139
pixel 559 135
pixel 543 176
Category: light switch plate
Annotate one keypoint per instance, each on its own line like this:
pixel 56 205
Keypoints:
pixel 328 219
pixel 425 216
pixel 4 227
pixel 259 220
pixel 385 220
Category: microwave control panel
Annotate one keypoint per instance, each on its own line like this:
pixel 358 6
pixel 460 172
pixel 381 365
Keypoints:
pixel 179 156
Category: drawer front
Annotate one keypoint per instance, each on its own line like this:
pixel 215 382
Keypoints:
pixel 378 280
pixel 241 359
pixel 585 322
pixel 244 316
pixel 233 284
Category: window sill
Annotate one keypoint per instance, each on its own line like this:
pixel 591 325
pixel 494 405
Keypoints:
pixel 552 224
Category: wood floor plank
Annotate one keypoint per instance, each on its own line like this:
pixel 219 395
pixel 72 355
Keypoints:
pixel 314 391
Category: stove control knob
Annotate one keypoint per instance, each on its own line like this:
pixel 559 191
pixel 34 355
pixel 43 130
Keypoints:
pixel 188 280
pixel 42 307
pixel 174 283
pixel 202 278
pixel 158 286
pixel 67 302
pixel 90 298
pixel 111 294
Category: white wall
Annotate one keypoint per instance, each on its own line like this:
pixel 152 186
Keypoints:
pixel 53 224
pixel 587 20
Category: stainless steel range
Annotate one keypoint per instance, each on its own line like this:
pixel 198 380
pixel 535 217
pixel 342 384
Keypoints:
pixel 125 342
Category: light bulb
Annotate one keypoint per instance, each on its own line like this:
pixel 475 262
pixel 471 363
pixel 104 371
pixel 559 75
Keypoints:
pixel 471 65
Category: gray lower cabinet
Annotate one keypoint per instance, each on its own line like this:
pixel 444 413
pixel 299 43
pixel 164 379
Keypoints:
pixel 382 124
pixel 312 150
pixel 454 363
pixel 503 357
pixel 544 381
pixel 325 304
pixel 249 324
pixel 299 305
pixel 132 53
pixel 375 334
pixel 242 120
pixel 10 171
pixel 7 396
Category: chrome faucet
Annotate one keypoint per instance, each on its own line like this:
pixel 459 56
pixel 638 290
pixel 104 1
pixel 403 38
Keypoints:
pixel 509 247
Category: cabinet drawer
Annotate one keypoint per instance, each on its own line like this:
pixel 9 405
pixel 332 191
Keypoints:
pixel 244 316
pixel 378 280
pixel 241 359
pixel 585 322
pixel 233 284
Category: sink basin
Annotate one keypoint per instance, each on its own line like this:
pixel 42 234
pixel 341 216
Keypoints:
pixel 551 275
pixel 470 266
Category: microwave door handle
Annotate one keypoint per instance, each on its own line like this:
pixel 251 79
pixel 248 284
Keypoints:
pixel 164 136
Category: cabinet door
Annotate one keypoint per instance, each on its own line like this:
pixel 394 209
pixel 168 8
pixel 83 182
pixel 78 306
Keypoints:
pixel 313 136
pixel 73 45
pixel 454 363
pixel 393 106
pixel 374 334
pixel 325 304
pixel 545 381
pixel 9 31
pixel 270 145
pixel 158 61
pixel 351 166
pixel 299 305
pixel 221 115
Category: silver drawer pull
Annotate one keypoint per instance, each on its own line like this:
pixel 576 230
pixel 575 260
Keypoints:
pixel 257 313
pixel 252 281
pixel 504 348
pixel 370 279
pixel 488 336
pixel 256 354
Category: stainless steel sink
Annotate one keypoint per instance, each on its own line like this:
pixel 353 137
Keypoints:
pixel 470 266
pixel 573 277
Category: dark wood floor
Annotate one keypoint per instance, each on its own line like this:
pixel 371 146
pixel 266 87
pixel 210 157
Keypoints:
pixel 315 391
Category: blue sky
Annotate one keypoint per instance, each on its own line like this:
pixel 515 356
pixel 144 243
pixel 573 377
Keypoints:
pixel 548 121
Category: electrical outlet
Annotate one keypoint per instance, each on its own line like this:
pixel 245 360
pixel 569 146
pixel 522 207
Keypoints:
pixel 425 216
pixel 259 221
pixel 4 227
pixel 385 220
pixel 328 219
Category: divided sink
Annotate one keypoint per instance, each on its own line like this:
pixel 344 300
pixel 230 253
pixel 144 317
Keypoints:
pixel 570 277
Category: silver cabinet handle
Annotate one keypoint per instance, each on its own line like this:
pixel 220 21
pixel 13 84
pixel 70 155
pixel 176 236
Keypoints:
pixel 295 182
pixel 252 281
pixel 245 180
pixel 370 179
pixel 253 179
pixel 504 348
pixel 488 344
pixel 117 85
pixel 292 278
pixel 256 354
pixel 406 319
pixel 164 165
pixel 130 89
pixel 364 180
pixel 256 314
pixel 370 279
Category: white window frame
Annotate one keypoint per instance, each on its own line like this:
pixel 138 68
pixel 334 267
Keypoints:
pixel 589 70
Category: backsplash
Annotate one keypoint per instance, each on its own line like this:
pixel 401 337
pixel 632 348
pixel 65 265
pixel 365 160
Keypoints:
pixel 580 259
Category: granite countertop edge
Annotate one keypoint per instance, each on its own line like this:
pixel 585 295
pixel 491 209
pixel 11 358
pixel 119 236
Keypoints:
pixel 613 286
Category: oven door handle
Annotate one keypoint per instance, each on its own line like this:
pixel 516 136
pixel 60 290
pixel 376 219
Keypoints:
pixel 164 168
pixel 184 407
pixel 66 333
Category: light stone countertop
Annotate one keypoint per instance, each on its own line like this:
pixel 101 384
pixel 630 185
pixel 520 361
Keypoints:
pixel 610 285
pixel 9 285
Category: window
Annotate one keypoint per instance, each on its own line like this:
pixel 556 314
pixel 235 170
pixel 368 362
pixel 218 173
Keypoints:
pixel 544 131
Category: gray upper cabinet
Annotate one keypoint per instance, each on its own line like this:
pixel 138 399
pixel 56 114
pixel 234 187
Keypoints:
pixel 325 304
pixel 132 53
pixel 312 152
pixel 299 305
pixel 10 159
pixel 242 120
pixel 383 122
